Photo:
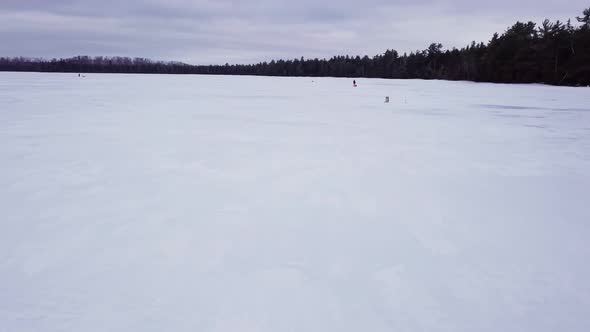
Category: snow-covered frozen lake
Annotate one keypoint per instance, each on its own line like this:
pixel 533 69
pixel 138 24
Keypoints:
pixel 203 203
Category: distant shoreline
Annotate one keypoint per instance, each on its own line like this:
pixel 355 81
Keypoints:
pixel 552 53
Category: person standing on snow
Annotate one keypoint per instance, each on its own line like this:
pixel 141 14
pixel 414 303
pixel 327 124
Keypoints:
pixel 354 83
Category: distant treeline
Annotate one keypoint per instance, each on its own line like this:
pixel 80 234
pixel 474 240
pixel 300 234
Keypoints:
pixel 553 53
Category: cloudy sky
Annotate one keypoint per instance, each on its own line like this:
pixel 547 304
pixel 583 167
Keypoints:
pixel 249 31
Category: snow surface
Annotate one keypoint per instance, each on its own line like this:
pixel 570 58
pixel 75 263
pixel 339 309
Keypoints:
pixel 201 203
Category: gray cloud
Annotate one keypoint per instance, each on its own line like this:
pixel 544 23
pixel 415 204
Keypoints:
pixel 246 31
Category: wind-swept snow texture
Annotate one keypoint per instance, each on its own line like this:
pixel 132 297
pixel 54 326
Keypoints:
pixel 202 203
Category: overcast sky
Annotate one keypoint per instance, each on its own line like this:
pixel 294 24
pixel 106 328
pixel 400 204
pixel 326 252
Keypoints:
pixel 249 31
